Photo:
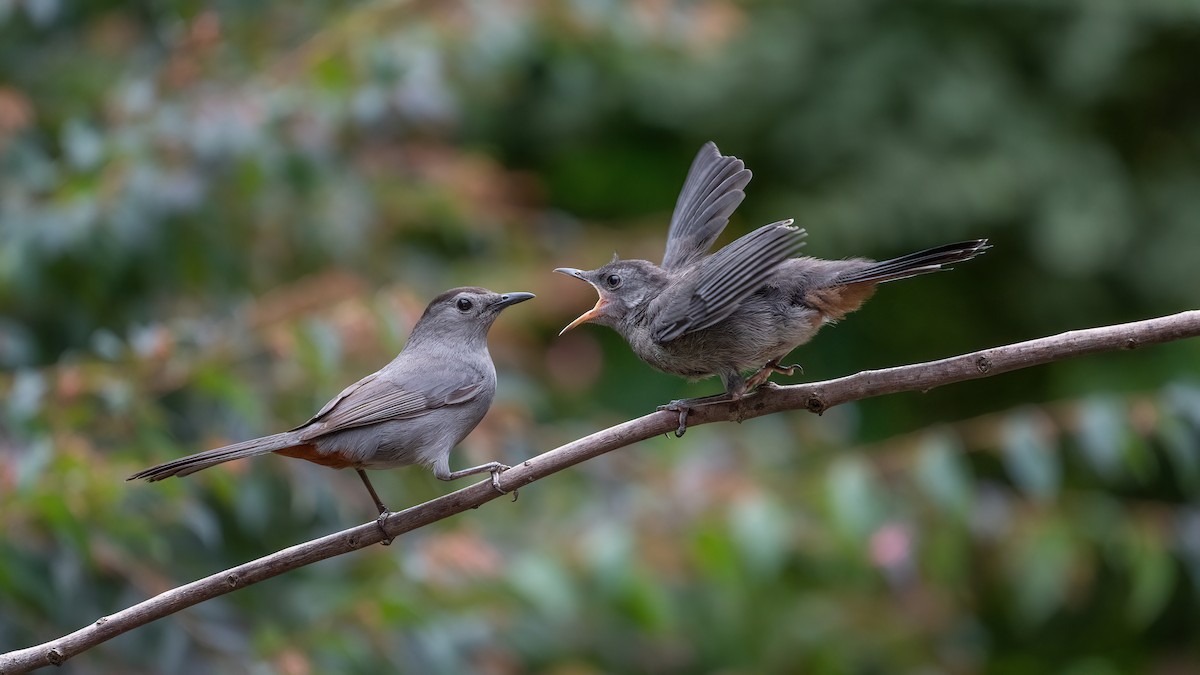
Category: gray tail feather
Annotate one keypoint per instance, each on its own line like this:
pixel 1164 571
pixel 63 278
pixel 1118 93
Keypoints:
pixel 921 262
pixel 202 460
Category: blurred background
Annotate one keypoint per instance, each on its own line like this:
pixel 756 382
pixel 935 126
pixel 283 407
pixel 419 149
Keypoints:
pixel 215 215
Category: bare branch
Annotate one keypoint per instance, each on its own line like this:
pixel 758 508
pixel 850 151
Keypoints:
pixel 816 397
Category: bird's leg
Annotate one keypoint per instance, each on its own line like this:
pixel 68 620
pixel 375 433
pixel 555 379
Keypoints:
pixel 774 367
pixel 494 468
pixel 371 489
pixel 383 510
pixel 757 379
pixel 683 406
pixel 735 388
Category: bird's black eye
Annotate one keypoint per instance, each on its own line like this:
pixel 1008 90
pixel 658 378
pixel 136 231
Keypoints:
pixel 613 280
pixel 463 304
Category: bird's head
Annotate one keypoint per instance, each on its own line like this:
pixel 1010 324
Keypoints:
pixel 464 313
pixel 623 285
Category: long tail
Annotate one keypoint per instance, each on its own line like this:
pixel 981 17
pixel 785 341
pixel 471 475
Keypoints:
pixel 921 262
pixel 202 460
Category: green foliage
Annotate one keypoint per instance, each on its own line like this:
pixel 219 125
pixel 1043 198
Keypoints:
pixel 213 217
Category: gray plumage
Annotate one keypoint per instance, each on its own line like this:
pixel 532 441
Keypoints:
pixel 745 307
pixel 710 194
pixel 414 410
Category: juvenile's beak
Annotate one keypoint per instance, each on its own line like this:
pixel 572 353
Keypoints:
pixel 591 313
pixel 512 299
pixel 586 316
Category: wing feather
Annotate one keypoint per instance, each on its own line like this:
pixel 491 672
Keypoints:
pixel 710 194
pixel 724 280
pixel 375 399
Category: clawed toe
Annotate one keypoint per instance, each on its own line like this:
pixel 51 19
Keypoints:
pixel 383 516
pixel 496 481
pixel 681 406
pixel 684 406
pixel 789 370
pixel 683 415
pixel 764 374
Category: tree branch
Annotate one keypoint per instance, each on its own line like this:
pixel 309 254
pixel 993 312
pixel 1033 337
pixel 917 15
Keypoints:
pixel 816 397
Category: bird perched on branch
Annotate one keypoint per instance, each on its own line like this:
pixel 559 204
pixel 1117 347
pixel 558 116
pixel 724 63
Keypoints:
pixel 412 411
pixel 737 312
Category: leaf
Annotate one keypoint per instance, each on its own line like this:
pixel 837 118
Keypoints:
pixel 544 584
pixel 1185 400
pixel 107 345
pixel 1091 665
pixel 332 75
pixel 854 497
pixel 1039 574
pixel 759 527
pixel 1101 430
pixel 1031 461
pixel 32 462
pixel 646 604
pixel 319 347
pixel 943 474
pixel 203 524
pixel 1140 460
pixel 1153 575
pixel 25 397
pixel 1181 448
pixel 232 392
pixel 252 504
pixel 608 550
pixel 715 554
pixel 83 146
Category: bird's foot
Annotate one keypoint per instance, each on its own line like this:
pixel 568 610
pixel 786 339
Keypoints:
pixel 496 481
pixel 683 406
pixel 383 516
pixel 787 370
pixel 764 374
pixel 384 512
pixel 494 468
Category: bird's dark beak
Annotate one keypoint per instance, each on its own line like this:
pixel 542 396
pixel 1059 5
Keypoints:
pixel 512 299
pixel 571 272
pixel 591 313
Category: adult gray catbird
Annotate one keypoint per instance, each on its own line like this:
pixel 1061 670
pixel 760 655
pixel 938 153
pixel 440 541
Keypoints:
pixel 746 306
pixel 412 411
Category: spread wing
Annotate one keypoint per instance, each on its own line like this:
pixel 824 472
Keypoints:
pixel 723 280
pixel 376 398
pixel 710 194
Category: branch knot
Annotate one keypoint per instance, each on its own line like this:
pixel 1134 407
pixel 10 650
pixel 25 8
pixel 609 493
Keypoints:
pixel 815 404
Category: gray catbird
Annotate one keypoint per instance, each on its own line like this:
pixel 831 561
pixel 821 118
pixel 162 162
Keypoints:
pixel 746 306
pixel 413 411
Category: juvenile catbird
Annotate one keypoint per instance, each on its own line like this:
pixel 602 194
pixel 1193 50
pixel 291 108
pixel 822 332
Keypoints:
pixel 746 306
pixel 413 411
